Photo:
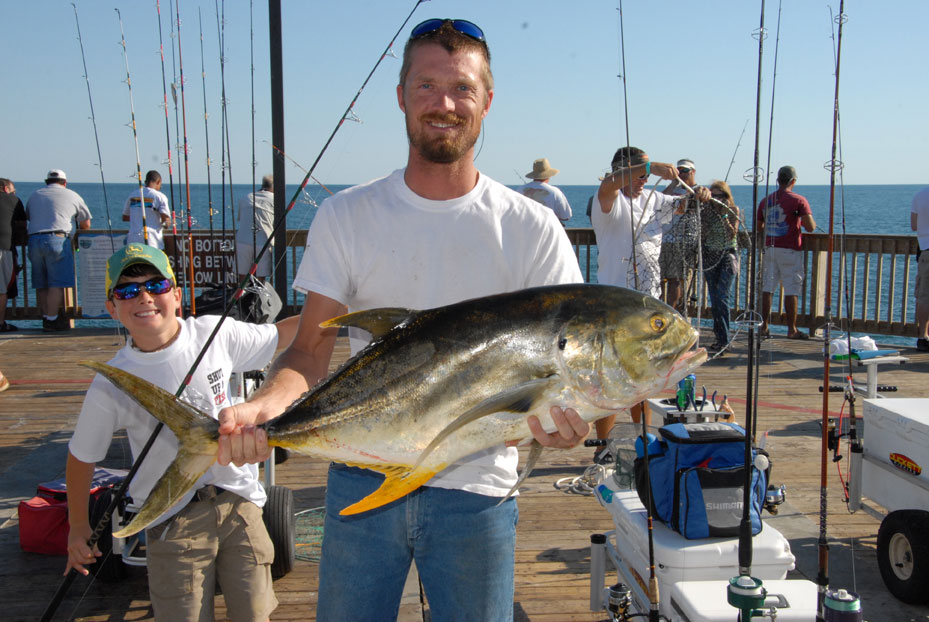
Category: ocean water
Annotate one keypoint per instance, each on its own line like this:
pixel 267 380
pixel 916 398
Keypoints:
pixel 861 209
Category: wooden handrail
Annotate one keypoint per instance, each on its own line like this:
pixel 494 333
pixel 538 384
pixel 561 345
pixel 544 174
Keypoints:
pixel 879 272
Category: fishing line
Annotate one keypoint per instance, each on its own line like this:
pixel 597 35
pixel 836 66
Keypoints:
pixel 124 485
pixel 736 152
pixel 190 223
pixel 822 577
pixel 251 47
pixel 206 132
pixel 135 134
pixel 93 118
pixel 177 147
pixel 164 91
pixel 225 146
pixel 622 49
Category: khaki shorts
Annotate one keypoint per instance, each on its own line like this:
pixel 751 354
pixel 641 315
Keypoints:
pixel 221 539
pixel 784 266
pixel 922 278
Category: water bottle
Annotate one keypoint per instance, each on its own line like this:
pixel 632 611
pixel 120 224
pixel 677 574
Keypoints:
pixel 685 391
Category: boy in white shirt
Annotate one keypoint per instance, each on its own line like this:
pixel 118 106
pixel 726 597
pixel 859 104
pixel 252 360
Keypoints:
pixel 216 532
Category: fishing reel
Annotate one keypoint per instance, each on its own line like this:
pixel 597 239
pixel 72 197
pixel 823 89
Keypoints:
pixel 773 497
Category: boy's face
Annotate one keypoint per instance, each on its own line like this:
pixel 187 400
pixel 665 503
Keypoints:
pixel 149 318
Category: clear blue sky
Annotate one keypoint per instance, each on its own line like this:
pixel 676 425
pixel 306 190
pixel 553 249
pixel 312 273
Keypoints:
pixel 691 70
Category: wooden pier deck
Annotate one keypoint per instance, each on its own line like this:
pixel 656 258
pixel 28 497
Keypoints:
pixel 39 411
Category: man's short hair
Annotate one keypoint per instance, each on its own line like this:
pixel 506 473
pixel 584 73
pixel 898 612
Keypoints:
pixel 5 183
pixel 627 156
pixel 152 177
pixel 267 182
pixel 786 174
pixel 453 41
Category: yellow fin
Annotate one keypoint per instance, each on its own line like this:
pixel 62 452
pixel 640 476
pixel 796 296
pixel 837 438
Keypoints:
pixel 399 481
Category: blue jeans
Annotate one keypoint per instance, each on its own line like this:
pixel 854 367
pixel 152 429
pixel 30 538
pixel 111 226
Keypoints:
pixel 52 261
pixel 463 545
pixel 719 283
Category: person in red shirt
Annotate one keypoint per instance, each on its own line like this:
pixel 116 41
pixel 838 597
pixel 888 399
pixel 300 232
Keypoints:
pixel 781 214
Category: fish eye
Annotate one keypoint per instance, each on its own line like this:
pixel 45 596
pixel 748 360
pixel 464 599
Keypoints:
pixel 562 343
pixel 657 323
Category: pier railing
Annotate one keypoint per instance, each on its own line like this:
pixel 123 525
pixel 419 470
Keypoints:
pixel 879 273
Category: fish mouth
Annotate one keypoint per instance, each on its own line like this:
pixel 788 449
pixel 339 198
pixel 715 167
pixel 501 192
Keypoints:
pixel 687 361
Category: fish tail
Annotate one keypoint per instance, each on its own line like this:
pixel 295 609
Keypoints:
pixel 196 432
pixel 399 481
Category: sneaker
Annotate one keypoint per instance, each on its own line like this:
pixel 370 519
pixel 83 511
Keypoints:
pixel 922 344
pixel 49 326
pixel 63 323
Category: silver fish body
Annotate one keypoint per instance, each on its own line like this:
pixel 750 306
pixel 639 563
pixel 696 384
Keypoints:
pixel 438 385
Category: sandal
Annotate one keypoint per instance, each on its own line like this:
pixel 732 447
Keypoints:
pixel 799 335
pixel 4 384
pixel 764 334
pixel 6 327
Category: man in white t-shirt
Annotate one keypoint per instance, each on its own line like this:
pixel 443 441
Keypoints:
pixel 255 225
pixel 628 223
pixel 433 233
pixel 541 191
pixel 919 222
pixel 156 214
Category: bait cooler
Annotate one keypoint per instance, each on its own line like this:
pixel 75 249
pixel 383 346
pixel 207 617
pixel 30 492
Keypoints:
pixel 692 574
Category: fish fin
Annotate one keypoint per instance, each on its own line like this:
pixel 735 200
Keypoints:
pixel 177 480
pixel 378 322
pixel 196 433
pixel 399 481
pixel 518 399
pixel 534 454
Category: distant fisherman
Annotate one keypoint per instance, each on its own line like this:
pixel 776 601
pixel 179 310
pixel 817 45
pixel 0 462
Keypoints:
pixel 157 214
pixel 919 222
pixel 54 213
pixel 254 226
pixel 543 192
pixel 434 233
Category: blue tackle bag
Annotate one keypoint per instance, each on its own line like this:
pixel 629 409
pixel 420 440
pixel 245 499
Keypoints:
pixel 697 473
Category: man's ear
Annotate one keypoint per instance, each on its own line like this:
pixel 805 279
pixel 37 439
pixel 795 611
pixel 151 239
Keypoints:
pixel 400 98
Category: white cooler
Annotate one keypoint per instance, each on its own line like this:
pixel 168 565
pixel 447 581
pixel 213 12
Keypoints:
pixel 678 559
pixel 706 601
pixel 895 471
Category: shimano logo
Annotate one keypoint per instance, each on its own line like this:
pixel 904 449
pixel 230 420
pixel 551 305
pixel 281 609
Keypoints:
pixel 735 505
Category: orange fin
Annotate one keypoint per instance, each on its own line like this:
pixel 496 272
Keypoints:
pixel 399 481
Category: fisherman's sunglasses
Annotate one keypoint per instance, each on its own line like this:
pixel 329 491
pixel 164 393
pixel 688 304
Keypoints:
pixel 461 25
pixel 128 291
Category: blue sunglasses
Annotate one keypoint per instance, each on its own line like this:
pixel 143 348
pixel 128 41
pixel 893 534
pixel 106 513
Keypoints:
pixel 155 287
pixel 461 25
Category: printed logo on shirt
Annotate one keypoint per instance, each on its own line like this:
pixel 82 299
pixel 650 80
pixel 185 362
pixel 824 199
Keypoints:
pixel 776 223
pixel 217 386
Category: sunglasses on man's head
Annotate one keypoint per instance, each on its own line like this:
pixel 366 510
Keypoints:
pixel 128 291
pixel 463 26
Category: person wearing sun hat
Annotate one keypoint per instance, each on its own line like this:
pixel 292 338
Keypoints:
pixel 52 213
pixel 216 531
pixel 541 191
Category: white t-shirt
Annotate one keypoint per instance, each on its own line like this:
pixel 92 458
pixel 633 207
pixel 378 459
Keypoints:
pixel 156 204
pixel 550 196
pixel 382 245
pixel 921 209
pixel 237 347
pixel 261 219
pixel 648 213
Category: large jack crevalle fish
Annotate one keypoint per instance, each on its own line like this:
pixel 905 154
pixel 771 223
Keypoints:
pixel 438 385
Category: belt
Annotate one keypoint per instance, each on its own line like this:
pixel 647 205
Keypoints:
pixel 207 492
pixel 60 234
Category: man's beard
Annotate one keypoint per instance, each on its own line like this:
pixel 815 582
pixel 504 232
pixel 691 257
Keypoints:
pixel 442 149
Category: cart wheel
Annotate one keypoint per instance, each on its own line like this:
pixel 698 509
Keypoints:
pixel 903 554
pixel 281 523
pixel 109 567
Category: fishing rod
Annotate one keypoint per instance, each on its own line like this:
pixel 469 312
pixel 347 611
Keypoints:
pixel 822 577
pixel 745 592
pixel 251 48
pixel 177 146
pixel 164 92
pixel 622 49
pixel 124 485
pixel 206 131
pixel 190 245
pixel 736 152
pixel 226 156
pixel 135 134
pixel 93 118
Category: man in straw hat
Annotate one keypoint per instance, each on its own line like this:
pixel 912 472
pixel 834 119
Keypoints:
pixel 548 195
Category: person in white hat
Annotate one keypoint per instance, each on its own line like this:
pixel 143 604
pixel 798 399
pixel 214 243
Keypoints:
pixel 53 214
pixel 543 192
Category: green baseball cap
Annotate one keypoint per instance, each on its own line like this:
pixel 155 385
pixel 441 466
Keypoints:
pixel 133 254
